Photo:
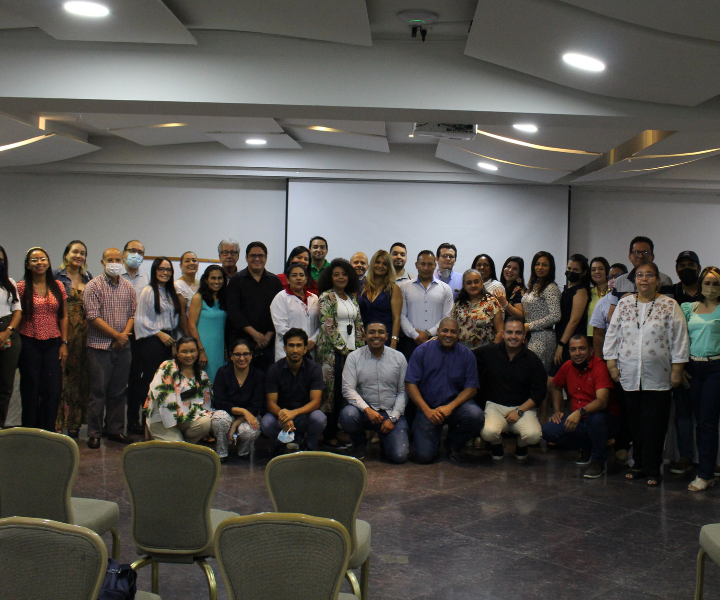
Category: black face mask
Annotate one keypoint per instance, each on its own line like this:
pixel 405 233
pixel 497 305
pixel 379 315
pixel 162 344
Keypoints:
pixel 688 276
pixel 3 269
pixel 573 277
pixel 582 366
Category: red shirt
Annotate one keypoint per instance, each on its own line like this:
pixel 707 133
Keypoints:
pixel 43 325
pixel 582 386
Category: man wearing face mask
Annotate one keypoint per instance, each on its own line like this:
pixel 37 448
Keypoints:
pixel 446 257
pixel 687 267
pixel 133 256
pixel 587 382
pixel 110 303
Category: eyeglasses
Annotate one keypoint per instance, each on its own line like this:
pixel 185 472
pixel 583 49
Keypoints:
pixel 135 251
pixel 229 253
pixel 645 276
pixel 239 355
pixel 447 256
pixel 643 253
pixel 34 261
pixel 255 256
pixel 164 270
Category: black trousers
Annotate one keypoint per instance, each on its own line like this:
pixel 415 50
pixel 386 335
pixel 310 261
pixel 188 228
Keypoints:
pixel 8 364
pixel 649 415
pixel 40 382
pixel 151 353
pixel 331 428
pixel 136 393
pixel 624 437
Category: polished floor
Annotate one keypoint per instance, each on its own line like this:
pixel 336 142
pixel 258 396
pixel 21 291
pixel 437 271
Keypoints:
pixel 481 529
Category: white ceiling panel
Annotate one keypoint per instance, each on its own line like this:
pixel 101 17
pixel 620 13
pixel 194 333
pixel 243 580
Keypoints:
pixel 139 21
pixel 162 136
pixel 238 141
pixel 13 131
pixel 123 121
pixel 9 20
pixel 636 167
pixel 531 36
pixel 52 148
pixel 369 127
pixel 683 142
pixel 232 124
pixel 694 18
pixel 375 143
pixel 451 153
pixel 342 21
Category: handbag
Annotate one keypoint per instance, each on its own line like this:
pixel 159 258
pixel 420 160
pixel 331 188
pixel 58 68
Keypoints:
pixel 119 582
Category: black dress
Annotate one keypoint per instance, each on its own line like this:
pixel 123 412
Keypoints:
pixel 566 304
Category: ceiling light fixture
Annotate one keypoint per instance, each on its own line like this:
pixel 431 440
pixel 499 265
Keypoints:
pixel 487 166
pixel 86 9
pixel 536 146
pixel 527 127
pixel 256 142
pixel 411 135
pixel 25 142
pixel 319 128
pixel 586 63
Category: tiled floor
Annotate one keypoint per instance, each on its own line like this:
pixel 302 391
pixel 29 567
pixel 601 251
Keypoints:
pixel 481 529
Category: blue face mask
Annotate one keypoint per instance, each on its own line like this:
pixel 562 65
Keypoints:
pixel 286 436
pixel 133 260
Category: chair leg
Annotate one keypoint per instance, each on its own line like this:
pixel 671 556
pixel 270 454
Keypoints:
pixel 365 578
pixel 155 583
pixel 350 576
pixel 700 578
pixel 116 543
pixel 212 585
pixel 139 564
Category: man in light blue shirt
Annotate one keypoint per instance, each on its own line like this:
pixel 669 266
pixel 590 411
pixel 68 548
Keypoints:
pixel 374 386
pixel 446 257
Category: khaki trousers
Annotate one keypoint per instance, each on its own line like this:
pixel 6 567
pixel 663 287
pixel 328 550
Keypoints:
pixel 527 427
pixel 185 432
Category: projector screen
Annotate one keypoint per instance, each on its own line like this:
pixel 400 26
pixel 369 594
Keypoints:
pixel 499 220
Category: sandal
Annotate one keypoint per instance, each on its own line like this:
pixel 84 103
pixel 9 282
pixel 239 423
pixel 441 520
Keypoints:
pixel 633 474
pixel 700 485
pixel 654 481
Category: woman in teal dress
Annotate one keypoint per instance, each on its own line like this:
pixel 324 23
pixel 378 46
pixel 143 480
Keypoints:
pixel 207 320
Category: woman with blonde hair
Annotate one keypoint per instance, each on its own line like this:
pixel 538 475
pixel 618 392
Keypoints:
pixel 381 300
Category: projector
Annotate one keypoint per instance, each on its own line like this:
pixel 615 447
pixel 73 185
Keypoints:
pixel 450 131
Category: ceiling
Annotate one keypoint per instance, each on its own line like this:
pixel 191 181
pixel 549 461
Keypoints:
pixel 182 86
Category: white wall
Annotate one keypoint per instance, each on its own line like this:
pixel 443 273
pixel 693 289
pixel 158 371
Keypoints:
pixel 169 216
pixel 602 223
pixel 500 220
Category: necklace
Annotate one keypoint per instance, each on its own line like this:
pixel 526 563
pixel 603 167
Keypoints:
pixel 351 314
pixel 637 312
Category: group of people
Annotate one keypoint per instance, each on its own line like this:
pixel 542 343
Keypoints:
pixel 366 346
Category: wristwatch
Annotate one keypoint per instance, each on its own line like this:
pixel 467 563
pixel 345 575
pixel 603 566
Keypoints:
pixel 520 412
pixel 583 413
pixel 393 419
pixel 10 329
pixel 396 338
pixel 66 342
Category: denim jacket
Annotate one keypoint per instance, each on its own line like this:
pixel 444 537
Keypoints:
pixel 62 276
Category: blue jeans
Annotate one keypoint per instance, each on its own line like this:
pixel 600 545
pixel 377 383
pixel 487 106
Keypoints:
pixel 591 432
pixel 307 426
pixel 683 421
pixel 705 394
pixel 355 422
pixel 465 422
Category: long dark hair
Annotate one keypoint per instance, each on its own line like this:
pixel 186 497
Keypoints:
pixel 325 282
pixel 545 281
pixel 510 285
pixel 5 278
pixel 169 286
pixel 206 293
pixel 585 280
pixel 63 264
pixel 604 262
pixel 493 275
pixel 296 251
pixel 463 297
pixel 188 339
pixel 28 306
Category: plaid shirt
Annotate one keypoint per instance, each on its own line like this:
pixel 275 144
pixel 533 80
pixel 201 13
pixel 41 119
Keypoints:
pixel 114 304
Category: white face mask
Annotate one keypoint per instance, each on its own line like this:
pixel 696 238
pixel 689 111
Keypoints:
pixel 113 269
pixel 711 292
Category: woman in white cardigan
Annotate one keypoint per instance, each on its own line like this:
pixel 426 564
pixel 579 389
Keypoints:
pixel 295 307
pixel 646 348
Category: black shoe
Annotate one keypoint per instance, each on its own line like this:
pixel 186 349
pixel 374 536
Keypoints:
pixel 119 438
pixel 358 453
pixel 105 431
pixel 73 433
pixel 94 443
pixel 453 455
pixel 521 453
pixel 595 470
pixel 584 458
pixel 223 459
pixel 497 451
pixel 136 429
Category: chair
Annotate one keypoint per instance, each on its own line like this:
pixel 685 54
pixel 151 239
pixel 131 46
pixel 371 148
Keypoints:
pixel 325 485
pixel 46 560
pixel 283 555
pixel 171 486
pixel 37 473
pixel 709 545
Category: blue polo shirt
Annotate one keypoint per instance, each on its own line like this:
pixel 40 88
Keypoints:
pixel 442 374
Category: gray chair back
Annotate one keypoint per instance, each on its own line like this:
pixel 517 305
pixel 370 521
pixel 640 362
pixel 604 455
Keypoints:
pixel 37 473
pixel 46 560
pixel 282 555
pixel 171 487
pixel 320 484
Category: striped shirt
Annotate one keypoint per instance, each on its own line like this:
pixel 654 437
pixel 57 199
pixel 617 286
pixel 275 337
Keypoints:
pixel 114 304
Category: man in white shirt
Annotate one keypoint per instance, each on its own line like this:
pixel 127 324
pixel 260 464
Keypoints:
pixel 446 257
pixel 398 254
pixel 374 386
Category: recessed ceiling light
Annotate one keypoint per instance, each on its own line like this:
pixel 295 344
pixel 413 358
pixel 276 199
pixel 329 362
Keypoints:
pixel 86 9
pixel 487 166
pixel 411 135
pixel 256 142
pixel 527 127
pixel 586 63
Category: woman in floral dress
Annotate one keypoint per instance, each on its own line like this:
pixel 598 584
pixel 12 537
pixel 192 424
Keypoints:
pixel 478 313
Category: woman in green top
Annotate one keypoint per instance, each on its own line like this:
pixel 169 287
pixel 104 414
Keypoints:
pixel 702 375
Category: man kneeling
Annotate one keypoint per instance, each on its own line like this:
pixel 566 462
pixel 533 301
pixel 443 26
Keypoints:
pixel 374 385
pixel 587 382
pixel 514 383
pixel 293 387
pixel 442 380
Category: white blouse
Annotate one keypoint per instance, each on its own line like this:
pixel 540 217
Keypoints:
pixel 187 292
pixel 147 321
pixel 288 311
pixel 347 312
pixel 7 305
pixel 645 354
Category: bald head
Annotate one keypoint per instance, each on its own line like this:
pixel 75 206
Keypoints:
pixel 112 261
pixel 111 253
pixel 359 262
